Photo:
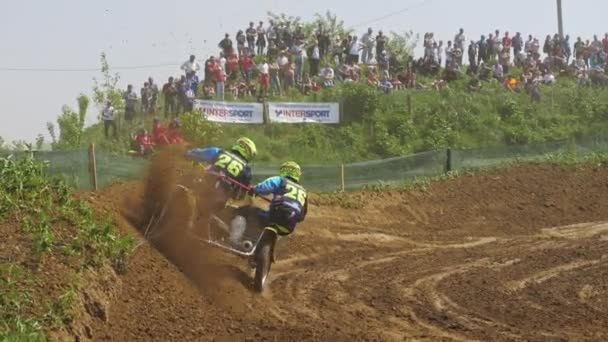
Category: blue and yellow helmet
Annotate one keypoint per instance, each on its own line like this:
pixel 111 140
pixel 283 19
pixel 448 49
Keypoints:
pixel 290 169
pixel 246 148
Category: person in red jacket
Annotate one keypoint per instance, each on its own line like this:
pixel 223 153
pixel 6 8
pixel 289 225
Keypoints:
pixel 159 135
pixel 143 143
pixel 173 133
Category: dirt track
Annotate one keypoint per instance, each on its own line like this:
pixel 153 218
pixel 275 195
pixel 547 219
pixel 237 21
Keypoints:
pixel 490 257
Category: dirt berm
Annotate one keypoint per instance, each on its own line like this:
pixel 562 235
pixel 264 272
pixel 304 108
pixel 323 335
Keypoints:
pixel 515 254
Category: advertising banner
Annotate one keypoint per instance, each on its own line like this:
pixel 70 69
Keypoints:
pixel 325 113
pixel 243 113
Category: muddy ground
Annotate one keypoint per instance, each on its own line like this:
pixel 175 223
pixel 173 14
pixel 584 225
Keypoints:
pixel 517 254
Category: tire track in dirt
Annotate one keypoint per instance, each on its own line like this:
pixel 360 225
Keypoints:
pixel 452 263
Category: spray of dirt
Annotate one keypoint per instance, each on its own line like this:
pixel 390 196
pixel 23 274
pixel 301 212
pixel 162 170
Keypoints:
pixel 174 223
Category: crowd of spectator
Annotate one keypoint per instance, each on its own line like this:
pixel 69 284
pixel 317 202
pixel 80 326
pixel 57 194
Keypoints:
pixel 278 59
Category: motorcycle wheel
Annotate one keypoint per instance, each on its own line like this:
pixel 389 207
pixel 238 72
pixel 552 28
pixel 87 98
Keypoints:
pixel 263 260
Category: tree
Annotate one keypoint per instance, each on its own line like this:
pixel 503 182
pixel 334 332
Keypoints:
pixel 329 21
pixel 71 126
pixel 401 47
pixel 106 89
pixel 39 142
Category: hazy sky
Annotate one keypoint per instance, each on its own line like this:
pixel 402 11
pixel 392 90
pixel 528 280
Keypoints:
pixel 71 34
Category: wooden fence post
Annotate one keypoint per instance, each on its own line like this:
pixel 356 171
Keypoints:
pixel 448 163
pixel 342 187
pixel 93 167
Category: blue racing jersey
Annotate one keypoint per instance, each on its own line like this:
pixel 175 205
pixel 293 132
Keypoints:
pixel 287 194
pixel 223 162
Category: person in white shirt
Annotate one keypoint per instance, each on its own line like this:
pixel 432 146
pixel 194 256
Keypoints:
pixel 368 46
pixel 314 60
pixel 439 52
pixel 449 51
pixel 222 61
pixel 191 65
pixel 107 116
pixel 353 51
pixel 459 40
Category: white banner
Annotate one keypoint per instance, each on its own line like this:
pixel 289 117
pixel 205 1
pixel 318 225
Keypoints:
pixel 244 113
pixel 327 113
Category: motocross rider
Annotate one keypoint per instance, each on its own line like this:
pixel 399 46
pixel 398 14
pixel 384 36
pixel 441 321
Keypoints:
pixel 289 203
pixel 226 165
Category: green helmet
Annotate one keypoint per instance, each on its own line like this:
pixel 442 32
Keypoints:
pixel 290 169
pixel 246 148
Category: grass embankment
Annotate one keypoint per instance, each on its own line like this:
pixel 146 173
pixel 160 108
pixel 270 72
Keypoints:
pixel 376 125
pixel 50 243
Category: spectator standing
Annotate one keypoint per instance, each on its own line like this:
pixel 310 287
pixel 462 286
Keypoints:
pixel 535 48
pixel 264 69
pixel 191 65
pixel 497 44
pixel 107 116
pixel 314 59
pixel 192 82
pixel 232 67
pixel 272 33
pixel 490 52
pixel 449 51
pixel 146 96
pixel 240 43
pixel 154 98
pixel 353 51
pixel 482 53
pixel 507 41
pixel 548 46
pixel 219 77
pixel 368 45
pixel 226 45
pixel 381 42
pixel 528 46
pixel 246 63
pixel 298 36
pixel 336 54
pixel 439 52
pixel 130 98
pixel 472 53
pixel 299 56
pixel 251 34
pixel 222 62
pixel 517 43
pixel 324 41
pixel 170 94
pixel 459 40
pixel 275 80
pixel 579 48
pixel 567 50
pixel 261 41
pixel 182 86
pixel 604 42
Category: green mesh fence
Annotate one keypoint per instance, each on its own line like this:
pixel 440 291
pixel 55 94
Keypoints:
pixel 73 165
